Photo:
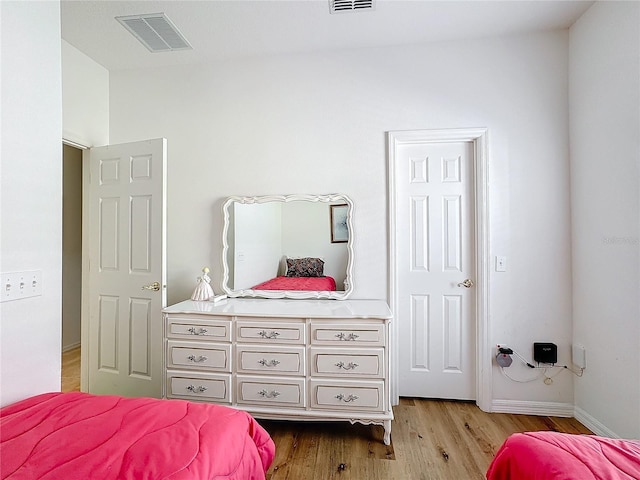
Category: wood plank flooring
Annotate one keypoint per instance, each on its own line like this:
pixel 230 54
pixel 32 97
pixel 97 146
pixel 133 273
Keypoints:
pixel 430 440
pixel 71 370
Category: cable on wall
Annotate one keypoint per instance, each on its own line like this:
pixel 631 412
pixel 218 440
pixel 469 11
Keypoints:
pixel 548 379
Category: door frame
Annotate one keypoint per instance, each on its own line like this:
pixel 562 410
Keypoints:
pixel 479 138
pixel 84 302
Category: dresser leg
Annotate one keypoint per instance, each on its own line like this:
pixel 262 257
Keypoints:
pixel 387 432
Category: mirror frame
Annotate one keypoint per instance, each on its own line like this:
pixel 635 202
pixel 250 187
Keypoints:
pixel 296 294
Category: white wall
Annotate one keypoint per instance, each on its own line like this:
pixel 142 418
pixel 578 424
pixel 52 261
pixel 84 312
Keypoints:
pixel 257 243
pixel 31 195
pixel 317 124
pixel 85 98
pixel 605 181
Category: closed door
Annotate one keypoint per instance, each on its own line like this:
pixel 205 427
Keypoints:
pixel 435 311
pixel 126 271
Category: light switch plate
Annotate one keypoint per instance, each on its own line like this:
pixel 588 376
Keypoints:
pixel 6 286
pixel 501 263
pixel 19 285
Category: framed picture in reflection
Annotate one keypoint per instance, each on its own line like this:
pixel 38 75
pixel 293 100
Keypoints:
pixel 339 227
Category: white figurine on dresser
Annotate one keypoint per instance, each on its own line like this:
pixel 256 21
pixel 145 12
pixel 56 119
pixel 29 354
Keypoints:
pixel 282 358
pixel 203 291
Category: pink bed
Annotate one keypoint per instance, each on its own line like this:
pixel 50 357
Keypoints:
pixel 298 283
pixel 82 436
pixel 561 456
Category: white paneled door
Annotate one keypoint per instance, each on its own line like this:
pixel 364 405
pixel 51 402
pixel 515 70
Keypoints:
pixel 125 196
pixel 435 270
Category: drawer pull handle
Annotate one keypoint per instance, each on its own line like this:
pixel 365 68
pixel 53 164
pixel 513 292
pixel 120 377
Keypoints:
pixel 345 398
pixel 269 363
pixel 347 338
pixel 272 334
pixel 193 358
pixel 200 331
pixel 348 366
pixel 198 389
pixel 272 394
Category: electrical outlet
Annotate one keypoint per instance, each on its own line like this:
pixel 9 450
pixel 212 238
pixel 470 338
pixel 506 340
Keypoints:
pixel 579 356
pixel 503 355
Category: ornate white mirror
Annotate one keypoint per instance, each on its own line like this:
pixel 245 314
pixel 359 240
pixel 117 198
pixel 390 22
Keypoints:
pixel 288 246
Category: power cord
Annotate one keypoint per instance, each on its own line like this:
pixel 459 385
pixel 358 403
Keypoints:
pixel 504 372
pixel 548 379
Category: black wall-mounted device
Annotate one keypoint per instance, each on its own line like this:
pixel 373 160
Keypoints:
pixel 545 352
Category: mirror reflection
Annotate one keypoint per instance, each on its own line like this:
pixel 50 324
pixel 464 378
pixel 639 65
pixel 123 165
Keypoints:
pixel 296 246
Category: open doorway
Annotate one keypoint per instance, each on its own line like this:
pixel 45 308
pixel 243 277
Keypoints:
pixel 84 343
pixel 71 266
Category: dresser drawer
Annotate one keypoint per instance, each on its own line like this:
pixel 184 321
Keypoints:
pixel 271 332
pixel 362 362
pixel 194 328
pixel 212 387
pixel 212 356
pixel 354 334
pixel 336 395
pixel 271 359
pixel 268 391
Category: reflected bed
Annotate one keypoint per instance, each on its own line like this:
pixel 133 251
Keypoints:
pixel 298 283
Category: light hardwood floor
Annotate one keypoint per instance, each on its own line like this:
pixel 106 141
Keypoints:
pixel 71 370
pixel 430 440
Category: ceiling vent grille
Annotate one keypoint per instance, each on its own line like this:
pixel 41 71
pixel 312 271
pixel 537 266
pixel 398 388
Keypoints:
pixel 342 6
pixel 155 31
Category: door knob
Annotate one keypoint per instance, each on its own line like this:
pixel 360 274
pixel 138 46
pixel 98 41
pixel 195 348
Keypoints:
pixel 468 283
pixel 155 286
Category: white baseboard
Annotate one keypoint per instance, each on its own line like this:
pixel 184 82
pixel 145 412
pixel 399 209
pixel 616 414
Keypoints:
pixel 547 409
pixel 593 424
pixel 66 348
pixel 553 409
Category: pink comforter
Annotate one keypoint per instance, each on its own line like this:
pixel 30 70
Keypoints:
pixel 80 436
pixel 561 456
pixel 298 283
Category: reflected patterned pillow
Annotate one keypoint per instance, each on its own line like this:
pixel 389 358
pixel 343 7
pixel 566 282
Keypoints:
pixel 305 267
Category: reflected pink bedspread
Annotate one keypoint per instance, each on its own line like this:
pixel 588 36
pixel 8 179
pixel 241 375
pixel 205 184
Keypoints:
pixel 298 283
pixel 561 456
pixel 80 436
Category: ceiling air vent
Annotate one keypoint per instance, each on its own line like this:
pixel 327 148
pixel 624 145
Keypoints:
pixel 341 6
pixel 155 31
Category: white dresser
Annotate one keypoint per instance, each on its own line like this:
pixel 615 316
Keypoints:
pixel 282 359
